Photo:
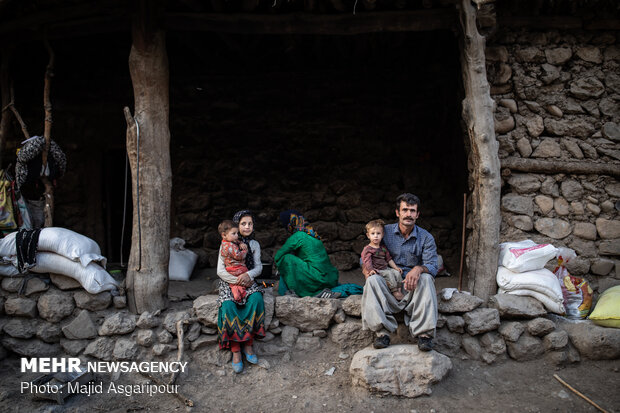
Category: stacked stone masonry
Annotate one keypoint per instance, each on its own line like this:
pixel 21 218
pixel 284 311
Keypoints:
pixel 557 97
pixel 56 321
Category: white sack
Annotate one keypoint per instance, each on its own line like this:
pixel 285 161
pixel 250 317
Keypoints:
pixel 62 241
pixel 182 261
pixel 9 270
pixel 552 304
pixel 542 281
pixel 525 255
pixel 93 277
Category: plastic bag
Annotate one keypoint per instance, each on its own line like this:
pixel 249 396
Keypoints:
pixel 576 290
pixel 182 261
pixel 7 217
pixel 525 255
pixel 607 310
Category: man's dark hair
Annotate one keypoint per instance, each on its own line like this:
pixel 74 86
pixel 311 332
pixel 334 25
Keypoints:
pixel 408 199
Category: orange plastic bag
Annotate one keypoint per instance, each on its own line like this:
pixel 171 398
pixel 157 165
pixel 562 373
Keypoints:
pixel 576 290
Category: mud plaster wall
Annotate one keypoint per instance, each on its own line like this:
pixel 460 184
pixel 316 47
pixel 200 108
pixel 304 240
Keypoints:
pixel 558 98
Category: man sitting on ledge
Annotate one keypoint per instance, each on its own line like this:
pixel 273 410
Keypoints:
pixel 413 250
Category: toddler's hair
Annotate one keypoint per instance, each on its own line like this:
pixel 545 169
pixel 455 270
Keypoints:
pixel 374 224
pixel 225 226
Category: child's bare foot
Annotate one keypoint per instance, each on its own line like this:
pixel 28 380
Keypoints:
pixel 398 295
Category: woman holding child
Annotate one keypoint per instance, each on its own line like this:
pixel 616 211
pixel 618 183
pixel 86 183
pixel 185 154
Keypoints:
pixel 241 318
pixel 302 261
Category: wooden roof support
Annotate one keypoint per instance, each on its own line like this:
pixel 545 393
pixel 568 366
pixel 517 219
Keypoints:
pixel 148 148
pixel 483 243
pixel 305 23
pixel 563 167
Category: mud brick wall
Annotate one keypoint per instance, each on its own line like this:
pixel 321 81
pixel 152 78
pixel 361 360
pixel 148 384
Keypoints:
pixel 557 97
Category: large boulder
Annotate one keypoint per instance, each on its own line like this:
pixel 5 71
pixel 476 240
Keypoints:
pixel 352 305
pixel 92 302
pixel 592 341
pixel 206 309
pixel 307 313
pixel 514 306
pixel 400 370
pixel 350 335
pixel 30 348
pixel 55 305
pixel 458 303
pixel 82 327
pixel 23 307
pixel 119 323
pixel 481 320
pixel 270 306
pixel 19 327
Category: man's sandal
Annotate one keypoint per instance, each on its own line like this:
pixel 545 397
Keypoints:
pixel 327 293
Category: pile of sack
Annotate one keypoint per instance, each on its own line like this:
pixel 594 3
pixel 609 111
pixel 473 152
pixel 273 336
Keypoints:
pixel 61 251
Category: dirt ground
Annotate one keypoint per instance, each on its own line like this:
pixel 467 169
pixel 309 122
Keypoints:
pixel 297 382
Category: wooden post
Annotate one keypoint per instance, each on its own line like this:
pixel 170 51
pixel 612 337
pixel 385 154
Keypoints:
pixel 47 132
pixel 483 244
pixel 147 273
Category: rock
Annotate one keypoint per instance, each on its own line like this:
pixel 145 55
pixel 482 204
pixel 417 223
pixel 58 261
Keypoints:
pixel 572 190
pixel 270 306
pixel 510 104
pixel 517 204
pixel 561 206
pixel 590 54
pixel 203 341
pixel 524 183
pixel 608 229
pixel 583 248
pixel 145 338
pixel 578 266
pixel 21 327
pixel 102 348
pixel 319 333
pixel 609 107
pixel 289 335
pixel 505 125
pixel 550 73
pixel 22 307
pixel 481 320
pixel 458 303
pixel 360 214
pixel 307 313
pixel 595 209
pixel 164 337
pixel 124 349
pixel 73 347
pixel 350 231
pixel 577 208
pixel 522 222
pixel 119 323
pixel 148 320
pixel 548 148
pixel 161 349
pixel 496 54
pixel 308 343
pixel 555 340
pixel 352 305
pixel 55 305
pixel 36 285
pixel 350 335
pixel 611 131
pixel 193 333
pixel 12 284
pixel 30 348
pixel 514 306
pixel 553 228
pixel 591 106
pixel 592 341
pixel 573 148
pixel 585 230
pixel 607 206
pixel 567 127
pixel 400 370
pixel 448 343
pixel 535 126
pixel 526 348
pixel 493 343
pixel 524 147
pixel 344 260
pixel 340 316
pixel 612 81
pixel 119 301
pixel 512 330
pixel 602 266
pixel 171 319
pixel 540 326
pixel 472 347
pixel 530 55
pixel 550 187
pixel 455 323
pixel 558 55
pixel 49 332
pixel 533 106
pixel 206 309
pixel 586 88
pixel 609 247
pixel 554 110
pixel 271 349
pixel 64 283
pixel 81 327
pixel 613 190
pixel 545 203
pixel 92 302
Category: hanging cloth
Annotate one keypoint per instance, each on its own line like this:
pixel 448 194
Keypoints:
pixel 26 245
pixel 30 161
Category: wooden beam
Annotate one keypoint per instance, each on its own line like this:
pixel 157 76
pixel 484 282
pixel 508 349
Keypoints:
pixel 483 243
pixel 540 22
pixel 561 167
pixel 304 23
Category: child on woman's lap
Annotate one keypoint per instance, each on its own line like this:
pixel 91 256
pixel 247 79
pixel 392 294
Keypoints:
pixel 376 259
pixel 233 254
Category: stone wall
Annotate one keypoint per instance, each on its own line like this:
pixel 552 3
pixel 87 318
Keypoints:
pixel 55 316
pixel 558 99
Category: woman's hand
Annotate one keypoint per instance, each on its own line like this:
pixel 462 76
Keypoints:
pixel 244 280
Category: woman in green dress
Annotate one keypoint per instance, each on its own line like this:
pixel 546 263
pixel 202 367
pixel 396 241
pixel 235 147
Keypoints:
pixel 302 261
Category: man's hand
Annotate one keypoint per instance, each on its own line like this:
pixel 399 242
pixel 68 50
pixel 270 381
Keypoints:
pixel 412 277
pixel 244 280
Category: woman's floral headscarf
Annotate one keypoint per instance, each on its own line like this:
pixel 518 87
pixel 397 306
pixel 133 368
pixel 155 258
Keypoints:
pixel 293 221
